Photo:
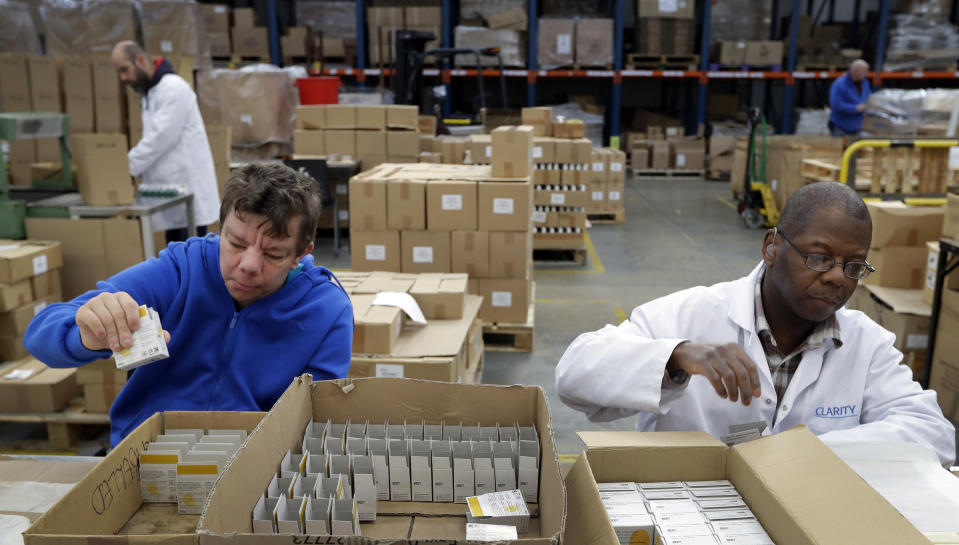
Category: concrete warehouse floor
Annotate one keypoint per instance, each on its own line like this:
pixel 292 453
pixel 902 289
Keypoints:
pixel 678 233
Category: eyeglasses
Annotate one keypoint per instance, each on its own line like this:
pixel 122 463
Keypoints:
pixel 856 270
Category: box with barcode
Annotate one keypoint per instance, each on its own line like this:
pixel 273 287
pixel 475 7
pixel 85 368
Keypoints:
pixel 149 344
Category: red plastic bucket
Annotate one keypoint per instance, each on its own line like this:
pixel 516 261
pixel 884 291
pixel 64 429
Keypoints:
pixel 319 90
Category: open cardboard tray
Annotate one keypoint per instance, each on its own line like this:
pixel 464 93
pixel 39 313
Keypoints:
pixel 227 516
pixel 107 501
pixel 801 492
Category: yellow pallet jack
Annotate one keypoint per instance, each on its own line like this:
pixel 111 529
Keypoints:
pixel 757 206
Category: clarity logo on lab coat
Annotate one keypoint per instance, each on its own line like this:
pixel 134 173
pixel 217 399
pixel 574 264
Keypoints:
pixel 837 411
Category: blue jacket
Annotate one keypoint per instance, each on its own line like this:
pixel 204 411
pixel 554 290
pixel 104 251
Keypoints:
pixel 220 358
pixel 843 99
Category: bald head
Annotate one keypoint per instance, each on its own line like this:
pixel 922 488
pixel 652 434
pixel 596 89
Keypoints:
pixel 132 65
pixel 858 70
pixel 810 199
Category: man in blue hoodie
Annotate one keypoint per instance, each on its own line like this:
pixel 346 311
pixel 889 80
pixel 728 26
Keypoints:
pixel 847 100
pixel 244 312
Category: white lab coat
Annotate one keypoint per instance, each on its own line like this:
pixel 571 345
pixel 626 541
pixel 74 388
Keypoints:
pixel 857 392
pixel 174 151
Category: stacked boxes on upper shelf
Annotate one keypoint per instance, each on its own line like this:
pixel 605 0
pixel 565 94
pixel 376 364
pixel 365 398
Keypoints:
pixel 473 219
pixel 216 19
pixel 29 281
pixel 385 21
pixel 249 40
pixel 665 28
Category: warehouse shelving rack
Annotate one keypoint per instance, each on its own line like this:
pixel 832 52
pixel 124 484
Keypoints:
pixel 790 77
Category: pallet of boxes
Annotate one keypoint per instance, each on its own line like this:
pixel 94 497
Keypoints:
pixel 474 219
pixel 665 151
pixel 893 295
pixel 421 326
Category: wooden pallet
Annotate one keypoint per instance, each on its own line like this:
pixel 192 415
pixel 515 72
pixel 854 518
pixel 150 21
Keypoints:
pixel 819 170
pixel 64 426
pixel 667 173
pixel 499 337
pixel 604 218
pixel 745 67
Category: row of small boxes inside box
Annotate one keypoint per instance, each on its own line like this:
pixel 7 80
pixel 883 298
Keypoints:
pixel 668 154
pixel 29 281
pixel 366 463
pixel 181 465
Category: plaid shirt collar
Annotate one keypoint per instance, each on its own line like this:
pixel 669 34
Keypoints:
pixel 826 329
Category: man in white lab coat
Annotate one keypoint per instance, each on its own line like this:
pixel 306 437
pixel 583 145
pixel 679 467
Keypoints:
pixel 174 149
pixel 777 345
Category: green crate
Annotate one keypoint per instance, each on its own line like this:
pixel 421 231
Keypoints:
pixel 12 223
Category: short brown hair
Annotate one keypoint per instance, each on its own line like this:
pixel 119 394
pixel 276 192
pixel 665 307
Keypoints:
pixel 277 193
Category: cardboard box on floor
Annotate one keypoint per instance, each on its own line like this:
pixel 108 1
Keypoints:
pixel 108 501
pixel 93 249
pixel 36 387
pixel 944 377
pixel 226 518
pixel 788 503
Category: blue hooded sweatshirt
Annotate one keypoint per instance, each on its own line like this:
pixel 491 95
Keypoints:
pixel 843 99
pixel 220 358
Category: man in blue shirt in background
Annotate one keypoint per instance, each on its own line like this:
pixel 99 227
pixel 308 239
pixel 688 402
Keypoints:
pixel 245 312
pixel 847 100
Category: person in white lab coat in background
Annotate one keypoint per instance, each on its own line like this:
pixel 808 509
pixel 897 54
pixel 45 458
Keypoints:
pixel 174 149
pixel 777 345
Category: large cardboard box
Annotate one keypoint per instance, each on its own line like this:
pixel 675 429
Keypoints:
pixel 402 143
pixel 944 377
pixel 688 154
pixel 93 249
pixel 659 155
pixel 244 17
pixel 505 300
pixel 76 81
pixel 103 172
pixel 374 250
pixel 555 47
pixel 407 205
pixel 511 19
pixel 13 323
pixel 425 251
pixel 15 91
pixel 15 295
pixel 368 204
pixel 220 43
pixel 101 372
pixel 226 518
pixel 375 327
pixel 904 313
pixel 512 152
pixel 216 17
pixel 730 53
pixel 511 254
pixel 679 9
pixel 251 41
pixel 36 387
pixel 898 267
pixel 540 118
pixel 109 496
pixel 950 282
pixel 22 259
pixel 505 206
pixel 404 118
pixel 764 53
pixel 341 142
pixel 98 398
pixel 950 222
pixel 594 42
pixel 897 224
pixel 788 503
pixel 309 142
pixel 470 253
pixel 422 16
pixel 46 284
pixel 108 109
pixel 311 117
pixel 451 205
pixel 44 84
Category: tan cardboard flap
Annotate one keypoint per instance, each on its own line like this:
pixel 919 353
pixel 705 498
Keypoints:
pixel 440 337
pixel 676 456
pixel 629 439
pixel 804 493
pixel 902 300
pixel 586 520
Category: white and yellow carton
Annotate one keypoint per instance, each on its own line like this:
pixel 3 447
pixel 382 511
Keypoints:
pixel 507 507
pixel 490 532
pixel 149 344
pixel 194 482
pixel 158 475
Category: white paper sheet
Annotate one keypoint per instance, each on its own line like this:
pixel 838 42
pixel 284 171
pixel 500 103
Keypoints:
pixel 402 301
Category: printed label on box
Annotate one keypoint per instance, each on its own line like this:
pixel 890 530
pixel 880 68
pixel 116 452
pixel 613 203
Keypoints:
pixel 452 202
pixel 538 152
pixel 740 45
pixel 597 167
pixel 954 158
pixel 502 299
pixel 375 252
pixel 344 215
pixel 342 189
pixel 539 216
pixel 917 342
pixel 597 195
pixel 219 9
pixel 39 264
pixel 668 6
pixel 680 159
pixel 931 280
pixel 389 370
pixel 422 254
pixel 489 152
pixel 503 206
pixel 614 195
pixel 38 307
pixel 616 167
pixel 246 118
pixel 166 46
pixel 564 44
pixel 557 198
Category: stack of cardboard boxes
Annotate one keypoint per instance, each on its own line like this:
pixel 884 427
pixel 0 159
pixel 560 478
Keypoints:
pixel 29 281
pixel 249 40
pixel 295 43
pixel 27 385
pixel 944 377
pixel 101 382
pixel 450 218
pixel 666 148
pixel 583 42
pixel 665 28
pixel 760 53
pixel 216 18
pixel 383 22
pixel 374 134
pixel 174 30
pixel 721 155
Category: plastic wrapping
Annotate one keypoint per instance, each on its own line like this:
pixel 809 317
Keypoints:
pixel 175 28
pixel 909 112
pixel 476 11
pixel 258 102
pixel 593 123
pixel 18 34
pixel 740 20
pixel 813 122
pixel 927 8
pixel 365 95
pixel 336 19
pixel 512 44
pixel 109 22
pixel 67 34
pixel 916 41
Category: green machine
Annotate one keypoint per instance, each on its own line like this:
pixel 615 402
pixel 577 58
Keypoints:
pixel 32 126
